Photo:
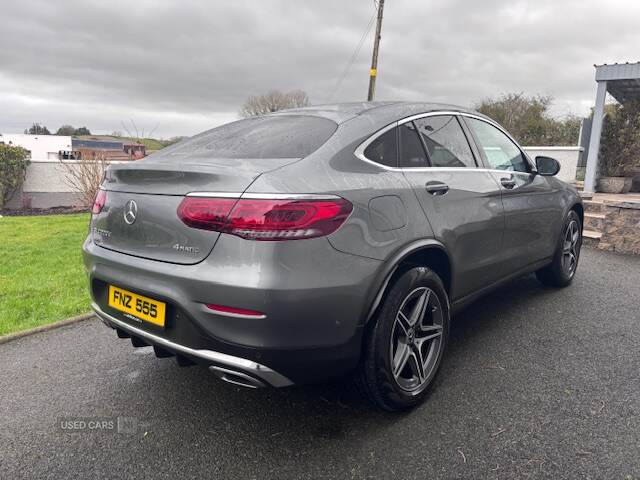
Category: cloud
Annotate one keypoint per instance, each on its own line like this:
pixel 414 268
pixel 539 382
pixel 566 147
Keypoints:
pixel 189 65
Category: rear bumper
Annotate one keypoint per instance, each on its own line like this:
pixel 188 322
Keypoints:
pixel 314 299
pixel 260 374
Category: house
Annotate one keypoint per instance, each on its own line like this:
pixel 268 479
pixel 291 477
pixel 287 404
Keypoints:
pixel 46 184
pixel 40 147
pixel 107 147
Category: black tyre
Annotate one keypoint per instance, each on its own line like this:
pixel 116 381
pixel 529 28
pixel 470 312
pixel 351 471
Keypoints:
pixel 563 268
pixel 404 345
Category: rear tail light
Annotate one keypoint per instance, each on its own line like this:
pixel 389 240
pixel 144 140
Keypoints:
pixel 266 218
pixel 98 203
pixel 206 213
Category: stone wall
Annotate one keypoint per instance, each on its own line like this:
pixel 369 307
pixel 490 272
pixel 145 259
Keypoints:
pixel 621 228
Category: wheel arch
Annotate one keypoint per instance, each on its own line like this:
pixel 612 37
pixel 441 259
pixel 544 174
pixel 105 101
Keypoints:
pixel 431 253
pixel 579 209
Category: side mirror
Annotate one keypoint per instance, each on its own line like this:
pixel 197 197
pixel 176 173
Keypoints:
pixel 547 166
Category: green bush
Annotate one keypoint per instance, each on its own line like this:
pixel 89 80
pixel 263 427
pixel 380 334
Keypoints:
pixel 620 141
pixel 529 121
pixel 13 170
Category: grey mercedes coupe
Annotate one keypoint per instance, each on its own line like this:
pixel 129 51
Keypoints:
pixel 323 241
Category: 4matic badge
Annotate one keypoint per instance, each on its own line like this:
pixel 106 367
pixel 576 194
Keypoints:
pixel 184 248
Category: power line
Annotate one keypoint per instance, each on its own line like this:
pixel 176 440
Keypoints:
pixel 353 57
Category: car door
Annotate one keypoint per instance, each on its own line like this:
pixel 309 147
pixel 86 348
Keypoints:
pixel 461 201
pixel 532 205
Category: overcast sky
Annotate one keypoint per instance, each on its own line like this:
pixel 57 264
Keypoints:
pixel 185 66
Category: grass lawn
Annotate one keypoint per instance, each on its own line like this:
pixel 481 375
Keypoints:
pixel 42 278
pixel 149 143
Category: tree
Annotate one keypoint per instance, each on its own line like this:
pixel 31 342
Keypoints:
pixel 13 170
pixel 66 130
pixel 273 101
pixel 69 130
pixel 37 129
pixel 620 141
pixel 82 131
pixel 529 121
pixel 84 176
pixel 135 134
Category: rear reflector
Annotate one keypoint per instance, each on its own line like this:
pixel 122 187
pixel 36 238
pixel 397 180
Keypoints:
pixel 233 311
pixel 266 219
pixel 98 203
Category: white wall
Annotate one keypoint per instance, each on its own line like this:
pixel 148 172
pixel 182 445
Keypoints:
pixel 567 156
pixel 46 186
pixel 42 147
pixel 43 176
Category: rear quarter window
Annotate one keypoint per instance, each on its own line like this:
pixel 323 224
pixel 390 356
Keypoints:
pixel 384 149
pixel 278 136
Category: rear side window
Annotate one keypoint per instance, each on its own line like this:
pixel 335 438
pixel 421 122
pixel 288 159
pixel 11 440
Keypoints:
pixel 411 151
pixel 445 141
pixel 384 149
pixel 279 136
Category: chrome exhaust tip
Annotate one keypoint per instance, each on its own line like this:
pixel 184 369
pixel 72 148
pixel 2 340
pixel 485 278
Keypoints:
pixel 263 376
pixel 236 378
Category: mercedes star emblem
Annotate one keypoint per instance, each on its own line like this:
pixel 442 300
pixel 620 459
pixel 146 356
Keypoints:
pixel 130 212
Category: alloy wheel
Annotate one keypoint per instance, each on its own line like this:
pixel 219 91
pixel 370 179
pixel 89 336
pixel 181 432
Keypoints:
pixel 416 339
pixel 571 248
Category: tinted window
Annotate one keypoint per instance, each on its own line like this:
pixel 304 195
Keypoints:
pixel 282 136
pixel 384 149
pixel 446 142
pixel 411 150
pixel 501 153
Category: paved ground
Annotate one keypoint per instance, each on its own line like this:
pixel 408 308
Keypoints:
pixel 536 383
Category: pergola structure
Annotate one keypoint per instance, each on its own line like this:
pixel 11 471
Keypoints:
pixel 622 81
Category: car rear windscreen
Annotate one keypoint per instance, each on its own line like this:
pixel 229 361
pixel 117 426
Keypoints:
pixel 279 136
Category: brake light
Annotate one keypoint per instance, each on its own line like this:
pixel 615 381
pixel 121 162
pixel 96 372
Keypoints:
pixel 265 218
pixel 98 203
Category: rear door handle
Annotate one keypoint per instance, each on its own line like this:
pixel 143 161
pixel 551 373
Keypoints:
pixel 436 188
pixel 508 183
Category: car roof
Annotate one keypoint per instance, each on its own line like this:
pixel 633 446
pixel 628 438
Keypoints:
pixel 378 111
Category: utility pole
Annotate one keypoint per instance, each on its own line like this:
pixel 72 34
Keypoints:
pixel 374 60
